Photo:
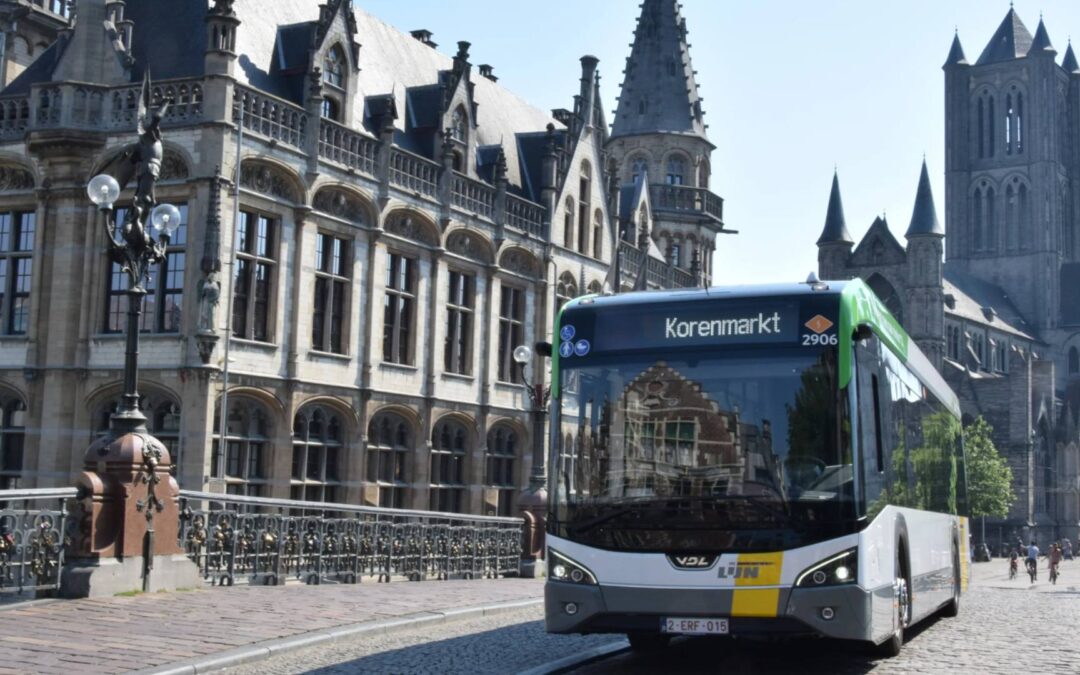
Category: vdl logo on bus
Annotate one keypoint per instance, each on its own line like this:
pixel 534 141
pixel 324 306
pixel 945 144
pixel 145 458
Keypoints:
pixel 692 562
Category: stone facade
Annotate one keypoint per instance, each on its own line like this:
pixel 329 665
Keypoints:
pixel 394 228
pixel 999 317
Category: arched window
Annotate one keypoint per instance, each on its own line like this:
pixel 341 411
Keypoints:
pixel 675 255
pixel 162 420
pixel 595 287
pixel 703 174
pixel 1008 121
pixel 1074 361
pixel 565 290
pixel 449 447
pixel 584 200
pixel 12 439
pixel 331 109
pixel 502 449
pixel 1011 206
pixel 981 115
pixel 568 223
pixel 247 447
pixel 459 125
pixel 888 296
pixel 676 170
pixel 390 446
pixel 990 116
pixel 990 241
pixel 1019 122
pixel 1022 217
pixel 316 455
pixel 638 169
pixel 597 234
pixel 977 219
pixel 334 67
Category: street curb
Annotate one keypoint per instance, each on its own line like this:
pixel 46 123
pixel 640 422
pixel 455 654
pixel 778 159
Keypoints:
pixel 267 648
pixel 568 663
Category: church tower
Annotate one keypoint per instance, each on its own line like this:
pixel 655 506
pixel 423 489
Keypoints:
pixel 658 135
pixel 1007 168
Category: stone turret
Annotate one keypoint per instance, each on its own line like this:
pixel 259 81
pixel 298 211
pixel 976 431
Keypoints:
pixel 834 244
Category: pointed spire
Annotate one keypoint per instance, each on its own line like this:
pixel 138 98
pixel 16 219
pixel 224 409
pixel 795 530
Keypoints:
pixel 1069 62
pixel 658 91
pixel 835 226
pixel 1011 40
pixel 1040 44
pixel 924 218
pixel 956 53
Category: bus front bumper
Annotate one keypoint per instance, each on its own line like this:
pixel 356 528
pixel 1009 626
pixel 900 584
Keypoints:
pixel 577 608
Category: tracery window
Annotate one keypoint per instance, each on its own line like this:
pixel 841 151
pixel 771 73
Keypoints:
pixel 449 447
pixel 316 455
pixel 12 440
pixel 502 448
pixel 390 446
pixel 247 447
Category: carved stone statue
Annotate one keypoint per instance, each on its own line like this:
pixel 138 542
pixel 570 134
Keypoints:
pixel 209 296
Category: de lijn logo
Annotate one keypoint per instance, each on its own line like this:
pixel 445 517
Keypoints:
pixel 742 570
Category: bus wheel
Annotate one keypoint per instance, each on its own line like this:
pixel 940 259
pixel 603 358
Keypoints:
pixel 953 608
pixel 902 598
pixel 648 643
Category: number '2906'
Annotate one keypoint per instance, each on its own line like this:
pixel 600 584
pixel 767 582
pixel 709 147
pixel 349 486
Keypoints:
pixel 814 339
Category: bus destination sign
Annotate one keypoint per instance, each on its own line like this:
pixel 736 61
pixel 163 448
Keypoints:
pixel 692 325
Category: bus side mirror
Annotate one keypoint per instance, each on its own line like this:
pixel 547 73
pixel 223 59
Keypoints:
pixel 543 349
pixel 862 332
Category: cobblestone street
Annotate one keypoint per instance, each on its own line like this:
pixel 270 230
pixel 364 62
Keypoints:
pixel 1002 624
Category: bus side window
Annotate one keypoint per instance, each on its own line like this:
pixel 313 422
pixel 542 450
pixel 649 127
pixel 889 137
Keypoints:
pixel 877 425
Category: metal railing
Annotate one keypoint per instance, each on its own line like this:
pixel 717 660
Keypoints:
pixel 686 199
pixel 33 533
pixel 266 541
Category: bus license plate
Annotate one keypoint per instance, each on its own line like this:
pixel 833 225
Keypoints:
pixel 694 626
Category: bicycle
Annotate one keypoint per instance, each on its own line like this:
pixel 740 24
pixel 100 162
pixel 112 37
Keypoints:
pixel 1032 570
pixel 1012 569
pixel 1053 573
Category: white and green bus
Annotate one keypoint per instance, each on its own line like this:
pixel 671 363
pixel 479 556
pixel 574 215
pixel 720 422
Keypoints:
pixel 759 460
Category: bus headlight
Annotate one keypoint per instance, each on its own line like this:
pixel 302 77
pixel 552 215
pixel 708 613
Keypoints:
pixel 564 569
pixel 841 568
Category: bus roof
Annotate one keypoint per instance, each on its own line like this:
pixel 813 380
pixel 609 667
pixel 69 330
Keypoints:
pixel 858 306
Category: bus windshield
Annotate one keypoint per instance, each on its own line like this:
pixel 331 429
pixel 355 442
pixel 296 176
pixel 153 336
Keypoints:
pixel 739 449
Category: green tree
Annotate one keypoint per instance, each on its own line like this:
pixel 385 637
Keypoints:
pixel 989 477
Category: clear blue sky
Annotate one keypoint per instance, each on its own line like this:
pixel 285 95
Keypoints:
pixel 791 89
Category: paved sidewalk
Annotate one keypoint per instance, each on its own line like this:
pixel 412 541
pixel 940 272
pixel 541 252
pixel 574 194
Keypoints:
pixel 995 574
pixel 110 635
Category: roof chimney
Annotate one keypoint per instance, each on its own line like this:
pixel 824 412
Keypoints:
pixel 486 70
pixel 424 35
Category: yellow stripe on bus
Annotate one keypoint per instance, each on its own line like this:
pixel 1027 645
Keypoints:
pixel 757 569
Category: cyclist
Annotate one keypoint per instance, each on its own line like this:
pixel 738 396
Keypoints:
pixel 1032 560
pixel 1053 559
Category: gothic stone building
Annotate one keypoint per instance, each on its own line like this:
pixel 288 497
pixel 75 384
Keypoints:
pixel 397 224
pixel 1001 316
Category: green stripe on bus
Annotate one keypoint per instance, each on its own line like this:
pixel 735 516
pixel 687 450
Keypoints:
pixel 858 306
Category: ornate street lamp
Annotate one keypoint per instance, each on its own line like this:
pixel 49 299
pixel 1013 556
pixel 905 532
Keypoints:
pixel 136 252
pixel 124 469
pixel 534 500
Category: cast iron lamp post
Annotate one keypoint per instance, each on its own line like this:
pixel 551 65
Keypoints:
pixel 136 252
pixel 534 500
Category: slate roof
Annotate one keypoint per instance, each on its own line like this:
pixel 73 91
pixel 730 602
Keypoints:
pixel 974 297
pixel 1041 42
pixel 956 53
pixel 924 218
pixel 835 229
pixel 1011 41
pixel 273 44
pixel 658 92
pixel 1069 62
